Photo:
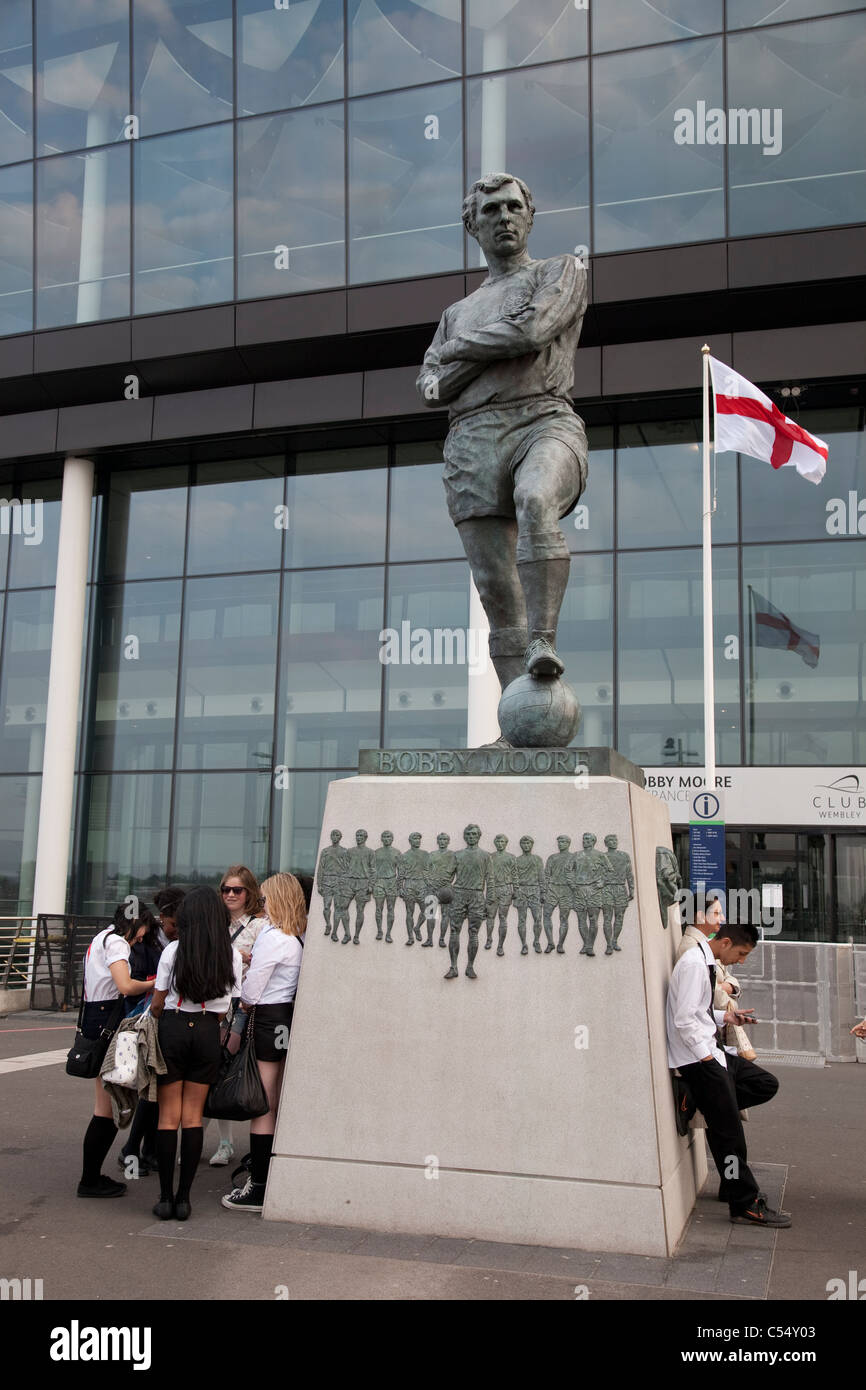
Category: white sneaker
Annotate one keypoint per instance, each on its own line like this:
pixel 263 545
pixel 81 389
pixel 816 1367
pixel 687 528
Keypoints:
pixel 224 1152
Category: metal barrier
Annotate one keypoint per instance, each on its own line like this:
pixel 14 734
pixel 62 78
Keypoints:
pixel 58 959
pixel 16 952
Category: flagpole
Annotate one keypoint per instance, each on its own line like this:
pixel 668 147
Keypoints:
pixel 752 658
pixel 709 683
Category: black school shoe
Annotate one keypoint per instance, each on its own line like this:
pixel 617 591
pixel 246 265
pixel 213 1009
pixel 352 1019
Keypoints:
pixel 105 1187
pixel 684 1106
pixel 759 1214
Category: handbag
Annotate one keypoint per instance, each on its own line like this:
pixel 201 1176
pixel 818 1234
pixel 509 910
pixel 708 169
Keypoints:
pixel 238 1093
pixel 125 1069
pixel 86 1055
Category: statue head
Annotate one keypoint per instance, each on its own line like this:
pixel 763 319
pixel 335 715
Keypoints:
pixel 668 880
pixel 443 840
pixel 526 844
pixel 387 838
pixel 472 834
pixel 498 212
pixel 360 837
pixel 589 840
pixel 500 841
pixel 415 839
pixel 336 836
pixel 611 841
pixel 564 842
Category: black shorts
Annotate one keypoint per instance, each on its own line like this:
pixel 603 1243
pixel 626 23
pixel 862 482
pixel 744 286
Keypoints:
pixel 102 1013
pixel 190 1044
pixel 271 1029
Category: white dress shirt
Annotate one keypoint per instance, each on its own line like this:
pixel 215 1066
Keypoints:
pixel 690 1030
pixel 105 950
pixel 165 980
pixel 272 977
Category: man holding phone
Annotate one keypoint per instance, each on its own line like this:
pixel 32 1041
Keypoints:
pixel 721 1084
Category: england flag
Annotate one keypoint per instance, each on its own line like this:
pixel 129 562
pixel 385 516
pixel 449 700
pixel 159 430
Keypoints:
pixel 748 422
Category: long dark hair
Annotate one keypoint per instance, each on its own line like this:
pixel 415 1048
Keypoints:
pixel 203 965
pixel 127 925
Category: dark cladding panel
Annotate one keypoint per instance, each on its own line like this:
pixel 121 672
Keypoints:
pixel 308 400
pixel 392 392
pixel 672 364
pixel 404 302
pixel 227 410
pixel 302 316
pixel 32 433
pixel 798 354
pixel 651 274
pixel 111 422
pixel 783 260
pixel 16 356
pixel 198 330
pixel 85 346
pixel 587 373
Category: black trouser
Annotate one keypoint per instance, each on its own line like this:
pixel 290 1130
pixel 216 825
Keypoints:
pixel 720 1094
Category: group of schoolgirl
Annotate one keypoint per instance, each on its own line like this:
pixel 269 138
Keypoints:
pixel 204 965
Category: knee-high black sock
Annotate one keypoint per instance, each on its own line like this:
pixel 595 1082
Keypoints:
pixel 151 1123
pixel 140 1126
pixel 260 1157
pixel 190 1153
pixel 166 1155
pixel 98 1139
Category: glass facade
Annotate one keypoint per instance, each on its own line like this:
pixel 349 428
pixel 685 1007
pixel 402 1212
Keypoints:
pixel 222 149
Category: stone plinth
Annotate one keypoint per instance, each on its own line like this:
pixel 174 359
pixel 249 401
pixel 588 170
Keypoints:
pixel 532 1104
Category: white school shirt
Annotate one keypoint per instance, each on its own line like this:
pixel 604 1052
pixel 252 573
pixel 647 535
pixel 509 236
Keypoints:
pixel 105 950
pixel 248 935
pixel 272 977
pixel 165 980
pixel 690 1030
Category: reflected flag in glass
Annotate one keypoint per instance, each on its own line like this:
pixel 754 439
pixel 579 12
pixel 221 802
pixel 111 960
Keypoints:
pixel 772 628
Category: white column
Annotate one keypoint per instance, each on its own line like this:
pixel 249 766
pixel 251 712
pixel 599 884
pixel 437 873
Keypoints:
pixel 30 833
pixel 482 697
pixel 64 689
pixel 493 109
pixel 287 803
pixel 94 215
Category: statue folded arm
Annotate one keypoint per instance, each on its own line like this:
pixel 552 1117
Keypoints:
pixel 558 301
pixel 438 383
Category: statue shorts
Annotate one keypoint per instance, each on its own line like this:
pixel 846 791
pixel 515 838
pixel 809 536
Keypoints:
pixel 559 895
pixel 589 899
pixel 467 902
pixel 484 451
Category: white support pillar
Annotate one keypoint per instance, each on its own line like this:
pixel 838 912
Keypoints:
pixel 482 697
pixel 64 689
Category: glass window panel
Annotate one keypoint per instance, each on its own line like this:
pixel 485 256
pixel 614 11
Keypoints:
pixel 298 811
pixel 290 56
pixel 33 540
pixel 650 191
pixel 508 33
pixel 184 235
pixel 402 43
pixel 7 522
pixel 82 237
pixel 229 670
pixel 798 713
pixel 220 818
pixel 331 676
pixel 661 688
pixel 405 172
pixel 808 80
pixel 745 14
pixel 337 508
pixel 136 656
pixel 426 698
pixel 850 887
pixel 183 56
pixel 537 122
pixel 146 523
pixel 16 249
pixel 631 22
pixel 235 518
pixel 660 486
pixel 24 679
pixel 779 505
pixel 291 202
pixel 421 528
pixel 19 828
pixel 585 643
pixel 16 81
pixel 590 525
pixel 127 839
pixel 82 73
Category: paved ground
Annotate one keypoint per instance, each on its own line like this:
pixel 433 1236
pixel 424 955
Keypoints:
pixel 808 1143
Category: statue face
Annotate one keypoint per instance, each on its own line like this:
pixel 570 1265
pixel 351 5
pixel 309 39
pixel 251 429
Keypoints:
pixel 387 839
pixel 443 840
pixel 501 841
pixel 414 839
pixel 336 836
pixel 360 836
pixel 589 841
pixel 563 841
pixel 526 843
pixel 611 841
pixel 502 221
pixel 472 835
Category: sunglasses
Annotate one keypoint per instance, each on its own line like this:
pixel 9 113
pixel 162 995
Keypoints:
pixel 226 891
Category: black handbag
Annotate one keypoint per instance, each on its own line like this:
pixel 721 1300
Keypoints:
pixel 238 1093
pixel 86 1055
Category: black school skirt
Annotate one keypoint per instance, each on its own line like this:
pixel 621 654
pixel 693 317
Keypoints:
pixel 190 1044
pixel 271 1027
